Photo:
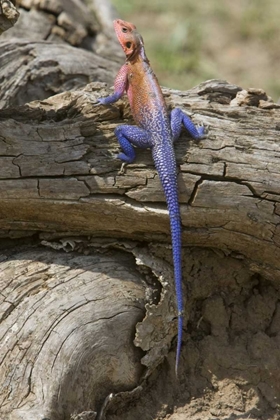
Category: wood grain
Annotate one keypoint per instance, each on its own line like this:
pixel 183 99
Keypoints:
pixel 58 162
pixel 85 324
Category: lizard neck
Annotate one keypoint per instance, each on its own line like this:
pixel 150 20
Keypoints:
pixel 139 55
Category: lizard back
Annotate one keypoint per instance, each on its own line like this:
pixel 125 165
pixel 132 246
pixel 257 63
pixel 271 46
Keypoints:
pixel 146 99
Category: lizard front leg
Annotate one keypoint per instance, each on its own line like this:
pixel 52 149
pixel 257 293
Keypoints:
pixel 120 86
pixel 177 117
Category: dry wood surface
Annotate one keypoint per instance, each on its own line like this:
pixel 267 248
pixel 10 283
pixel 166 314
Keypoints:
pixel 87 304
pixel 59 172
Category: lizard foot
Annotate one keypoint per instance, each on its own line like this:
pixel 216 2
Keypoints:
pixel 202 130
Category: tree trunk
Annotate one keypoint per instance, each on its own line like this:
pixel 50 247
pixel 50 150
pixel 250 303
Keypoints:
pixel 87 303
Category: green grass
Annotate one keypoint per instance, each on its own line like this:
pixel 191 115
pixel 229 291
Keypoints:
pixel 190 41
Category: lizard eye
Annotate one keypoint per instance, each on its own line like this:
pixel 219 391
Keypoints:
pixel 128 44
pixel 124 29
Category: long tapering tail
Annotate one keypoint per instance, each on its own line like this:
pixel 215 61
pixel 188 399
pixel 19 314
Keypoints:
pixel 175 226
pixel 165 163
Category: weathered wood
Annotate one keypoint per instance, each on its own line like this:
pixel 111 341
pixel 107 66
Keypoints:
pixel 8 15
pixel 59 177
pixel 68 320
pixel 29 71
pixel 61 326
pixel 87 25
pixel 59 164
pixel 40 57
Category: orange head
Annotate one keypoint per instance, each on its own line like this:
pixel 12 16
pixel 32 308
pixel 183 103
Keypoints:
pixel 130 40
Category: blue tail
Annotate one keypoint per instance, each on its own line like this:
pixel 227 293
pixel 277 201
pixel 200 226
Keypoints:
pixel 175 225
pixel 165 163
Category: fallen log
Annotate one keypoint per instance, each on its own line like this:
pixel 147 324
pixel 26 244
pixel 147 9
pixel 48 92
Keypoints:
pixel 87 307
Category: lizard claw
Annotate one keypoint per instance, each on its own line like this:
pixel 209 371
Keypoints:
pixel 202 130
pixel 100 101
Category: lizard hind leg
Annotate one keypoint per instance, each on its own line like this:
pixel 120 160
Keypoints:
pixel 178 117
pixel 129 136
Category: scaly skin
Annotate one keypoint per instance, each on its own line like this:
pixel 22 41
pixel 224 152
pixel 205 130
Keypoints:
pixel 156 130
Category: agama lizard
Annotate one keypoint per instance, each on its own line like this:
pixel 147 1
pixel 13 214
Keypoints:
pixel 155 130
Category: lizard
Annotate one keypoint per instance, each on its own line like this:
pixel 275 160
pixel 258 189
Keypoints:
pixel 157 130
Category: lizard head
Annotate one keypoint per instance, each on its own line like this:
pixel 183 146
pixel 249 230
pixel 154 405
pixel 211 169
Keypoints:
pixel 130 40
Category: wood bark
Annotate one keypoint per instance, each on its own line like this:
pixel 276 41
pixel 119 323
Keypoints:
pixel 86 267
pixel 59 173
pixel 8 16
